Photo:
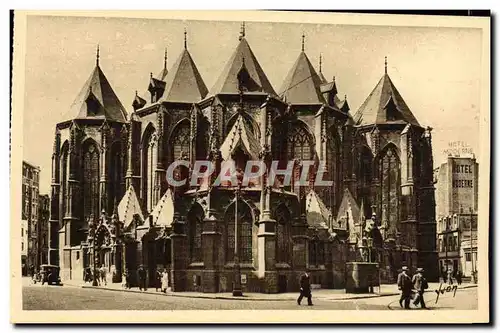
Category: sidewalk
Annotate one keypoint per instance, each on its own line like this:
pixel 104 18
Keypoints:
pixel 324 294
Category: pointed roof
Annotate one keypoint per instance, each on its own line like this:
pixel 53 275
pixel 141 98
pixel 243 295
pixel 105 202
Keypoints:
pixel 302 85
pixel 228 82
pixel 348 206
pixel 384 105
pixel 184 83
pixel 163 213
pixel 322 77
pixel 317 214
pixel 161 76
pixel 97 92
pixel 240 135
pixel 129 207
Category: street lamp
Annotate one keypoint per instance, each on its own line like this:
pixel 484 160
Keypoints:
pixel 473 271
pixel 237 291
pixel 369 243
pixel 92 225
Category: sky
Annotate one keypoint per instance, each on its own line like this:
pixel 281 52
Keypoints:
pixel 436 70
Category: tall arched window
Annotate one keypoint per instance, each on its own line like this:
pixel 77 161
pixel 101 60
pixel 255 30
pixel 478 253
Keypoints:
pixel 115 175
pixel 195 229
pixel 389 186
pixel 300 143
pixel 180 140
pixel 245 229
pixel 148 165
pixel 64 179
pixel 283 235
pixel 333 162
pixel 90 180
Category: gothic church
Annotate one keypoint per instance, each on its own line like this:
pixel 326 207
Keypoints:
pixel 111 203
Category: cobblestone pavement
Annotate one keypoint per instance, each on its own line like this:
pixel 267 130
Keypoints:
pixel 37 297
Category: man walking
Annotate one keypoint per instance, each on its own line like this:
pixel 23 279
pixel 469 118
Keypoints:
pixel 305 288
pixel 420 284
pixel 405 285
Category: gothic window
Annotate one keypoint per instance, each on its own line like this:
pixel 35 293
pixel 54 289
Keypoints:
pixel 333 163
pixel 389 174
pixel 283 235
pixel 115 175
pixel 148 164
pixel 300 143
pixel 63 178
pixel 313 253
pixel 90 180
pixel 195 229
pixel 245 230
pixel 180 141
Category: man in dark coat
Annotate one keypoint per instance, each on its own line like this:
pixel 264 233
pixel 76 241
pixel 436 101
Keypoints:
pixel 405 285
pixel 305 288
pixel 141 273
pixel 420 284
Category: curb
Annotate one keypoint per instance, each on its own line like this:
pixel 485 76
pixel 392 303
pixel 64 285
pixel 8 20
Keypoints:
pixel 208 296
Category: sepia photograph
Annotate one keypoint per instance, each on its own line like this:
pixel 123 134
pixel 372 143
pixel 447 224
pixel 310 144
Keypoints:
pixel 311 167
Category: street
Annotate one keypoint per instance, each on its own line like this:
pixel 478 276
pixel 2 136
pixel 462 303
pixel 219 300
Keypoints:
pixel 37 297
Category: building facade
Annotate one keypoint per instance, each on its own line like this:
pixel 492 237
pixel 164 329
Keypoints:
pixel 43 230
pixel 113 204
pixel 456 208
pixel 30 193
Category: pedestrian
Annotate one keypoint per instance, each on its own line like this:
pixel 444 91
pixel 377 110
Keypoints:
pixel 305 288
pixel 449 277
pixel 158 279
pixel 103 273
pixel 459 278
pixel 141 274
pixel 405 285
pixel 164 281
pixel 420 284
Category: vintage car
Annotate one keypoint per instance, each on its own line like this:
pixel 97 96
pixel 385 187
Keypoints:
pixel 50 274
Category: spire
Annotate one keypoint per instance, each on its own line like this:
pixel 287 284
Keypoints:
pixel 185 39
pixel 303 41
pixel 320 62
pixel 386 65
pixel 242 31
pixel 165 60
pixel 97 56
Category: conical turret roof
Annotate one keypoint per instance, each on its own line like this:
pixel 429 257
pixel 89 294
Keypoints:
pixel 184 83
pixel 97 99
pixel 242 57
pixel 302 85
pixel 384 105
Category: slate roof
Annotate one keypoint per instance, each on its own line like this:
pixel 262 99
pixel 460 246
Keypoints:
pixel 373 111
pixel 240 135
pixel 302 84
pixel 228 80
pixel 98 88
pixel 183 83
pixel 322 77
pixel 317 214
pixel 163 213
pixel 348 207
pixel 128 207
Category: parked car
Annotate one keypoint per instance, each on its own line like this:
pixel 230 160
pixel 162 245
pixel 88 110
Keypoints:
pixel 50 274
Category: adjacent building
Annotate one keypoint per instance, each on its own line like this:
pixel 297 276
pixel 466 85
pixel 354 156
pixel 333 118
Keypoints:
pixel 30 197
pixel 43 230
pixel 456 209
pixel 112 205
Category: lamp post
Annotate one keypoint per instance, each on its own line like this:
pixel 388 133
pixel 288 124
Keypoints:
pixel 92 225
pixel 237 272
pixel 369 243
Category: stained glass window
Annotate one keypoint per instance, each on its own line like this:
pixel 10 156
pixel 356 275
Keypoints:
pixel 63 179
pixel 181 140
pixel 299 143
pixel 333 158
pixel 115 174
pixel 148 164
pixel 313 253
pixel 283 236
pixel 389 171
pixel 195 243
pixel 91 180
pixel 245 233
